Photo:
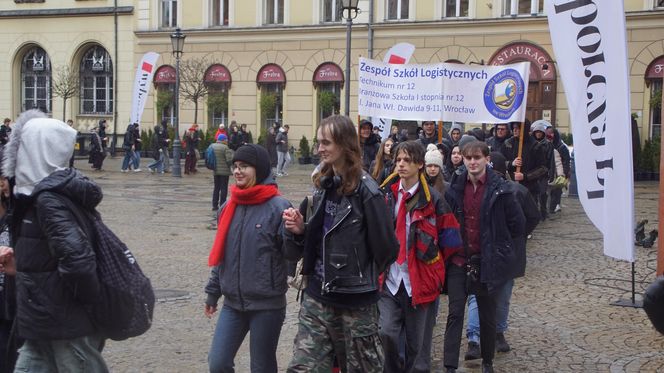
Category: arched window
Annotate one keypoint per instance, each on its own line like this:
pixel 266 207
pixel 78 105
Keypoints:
pixel 164 83
pixel 328 79
pixel 271 80
pixel 654 75
pixel 96 82
pixel 36 80
pixel 218 80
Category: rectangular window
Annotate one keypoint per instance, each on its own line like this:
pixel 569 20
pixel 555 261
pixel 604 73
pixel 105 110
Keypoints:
pixel 274 12
pixel 659 3
pixel 332 11
pixel 455 8
pixel 522 7
pixel 397 9
pixel 219 12
pixel 97 97
pixel 169 13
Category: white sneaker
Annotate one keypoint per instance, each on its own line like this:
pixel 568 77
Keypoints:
pixel 151 170
pixel 137 170
pixel 124 170
pixel 557 209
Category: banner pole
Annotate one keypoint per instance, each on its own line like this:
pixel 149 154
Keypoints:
pixel 521 135
pixel 660 247
pixel 440 131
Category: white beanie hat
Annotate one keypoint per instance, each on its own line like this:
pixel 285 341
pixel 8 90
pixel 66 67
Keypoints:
pixel 433 156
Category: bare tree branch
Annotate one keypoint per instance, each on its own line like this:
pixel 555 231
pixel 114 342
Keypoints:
pixel 192 81
pixel 65 84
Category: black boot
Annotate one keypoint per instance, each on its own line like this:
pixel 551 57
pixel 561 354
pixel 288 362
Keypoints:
pixel 501 343
pixel 648 242
pixel 473 351
pixel 487 367
pixel 450 370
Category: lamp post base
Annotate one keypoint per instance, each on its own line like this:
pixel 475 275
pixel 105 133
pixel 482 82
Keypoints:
pixel 177 153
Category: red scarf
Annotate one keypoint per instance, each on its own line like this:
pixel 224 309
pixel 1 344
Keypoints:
pixel 250 196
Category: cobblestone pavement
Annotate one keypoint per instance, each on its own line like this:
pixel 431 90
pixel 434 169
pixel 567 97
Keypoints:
pixel 561 317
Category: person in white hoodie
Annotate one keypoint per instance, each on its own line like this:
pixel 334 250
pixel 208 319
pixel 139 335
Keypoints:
pixel 51 257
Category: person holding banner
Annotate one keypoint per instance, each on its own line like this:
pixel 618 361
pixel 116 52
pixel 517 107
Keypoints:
pixel 346 245
pixel 526 163
pixel 488 258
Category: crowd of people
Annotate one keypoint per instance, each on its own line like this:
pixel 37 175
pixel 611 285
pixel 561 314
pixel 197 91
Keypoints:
pixel 448 216
pixel 393 228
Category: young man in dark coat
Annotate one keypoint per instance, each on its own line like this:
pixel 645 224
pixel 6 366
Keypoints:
pixel 491 223
pixel 504 294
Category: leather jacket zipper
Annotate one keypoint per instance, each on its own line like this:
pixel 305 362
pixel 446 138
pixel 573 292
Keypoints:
pixel 325 286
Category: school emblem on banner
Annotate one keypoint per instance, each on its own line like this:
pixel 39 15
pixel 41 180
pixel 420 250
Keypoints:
pixel 503 94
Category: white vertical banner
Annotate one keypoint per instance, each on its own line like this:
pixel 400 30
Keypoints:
pixel 589 41
pixel 144 73
pixel 399 54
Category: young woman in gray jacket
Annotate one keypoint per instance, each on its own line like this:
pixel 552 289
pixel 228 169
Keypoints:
pixel 248 266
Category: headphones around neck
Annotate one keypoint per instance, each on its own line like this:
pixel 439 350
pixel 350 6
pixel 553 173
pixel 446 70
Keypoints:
pixel 330 182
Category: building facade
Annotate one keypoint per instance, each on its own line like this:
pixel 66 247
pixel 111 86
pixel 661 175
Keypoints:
pixel 282 60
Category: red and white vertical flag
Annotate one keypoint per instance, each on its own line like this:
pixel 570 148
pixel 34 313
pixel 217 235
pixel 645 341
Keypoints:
pixel 399 54
pixel 144 73
pixel 589 40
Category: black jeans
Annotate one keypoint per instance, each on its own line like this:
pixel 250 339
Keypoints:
pixel 556 193
pixel 220 190
pixel 456 288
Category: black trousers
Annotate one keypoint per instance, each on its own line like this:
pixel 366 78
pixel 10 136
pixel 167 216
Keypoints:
pixel 486 303
pixel 220 190
pixel 556 194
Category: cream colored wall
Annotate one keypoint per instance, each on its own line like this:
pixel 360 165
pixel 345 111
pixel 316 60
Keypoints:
pixel 301 12
pixel 245 13
pixel 298 51
pixel 64 43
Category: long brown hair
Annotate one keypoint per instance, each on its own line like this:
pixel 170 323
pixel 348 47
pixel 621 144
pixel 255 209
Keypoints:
pixel 380 158
pixel 342 131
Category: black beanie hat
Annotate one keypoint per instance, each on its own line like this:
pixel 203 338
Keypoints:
pixel 256 156
pixel 499 163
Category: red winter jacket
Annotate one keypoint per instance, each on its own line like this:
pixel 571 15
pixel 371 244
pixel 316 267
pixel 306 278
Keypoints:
pixel 433 232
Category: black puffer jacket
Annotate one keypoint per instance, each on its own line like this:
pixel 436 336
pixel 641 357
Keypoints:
pixel 56 264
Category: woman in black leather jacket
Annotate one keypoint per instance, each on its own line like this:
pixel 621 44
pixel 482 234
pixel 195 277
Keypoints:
pixel 342 257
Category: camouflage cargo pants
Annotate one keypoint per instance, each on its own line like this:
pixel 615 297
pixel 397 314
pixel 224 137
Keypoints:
pixel 349 334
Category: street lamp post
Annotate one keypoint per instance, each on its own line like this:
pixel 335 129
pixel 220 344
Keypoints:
pixel 177 41
pixel 351 9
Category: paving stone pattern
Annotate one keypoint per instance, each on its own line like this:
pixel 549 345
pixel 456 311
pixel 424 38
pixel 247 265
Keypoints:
pixel 561 319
